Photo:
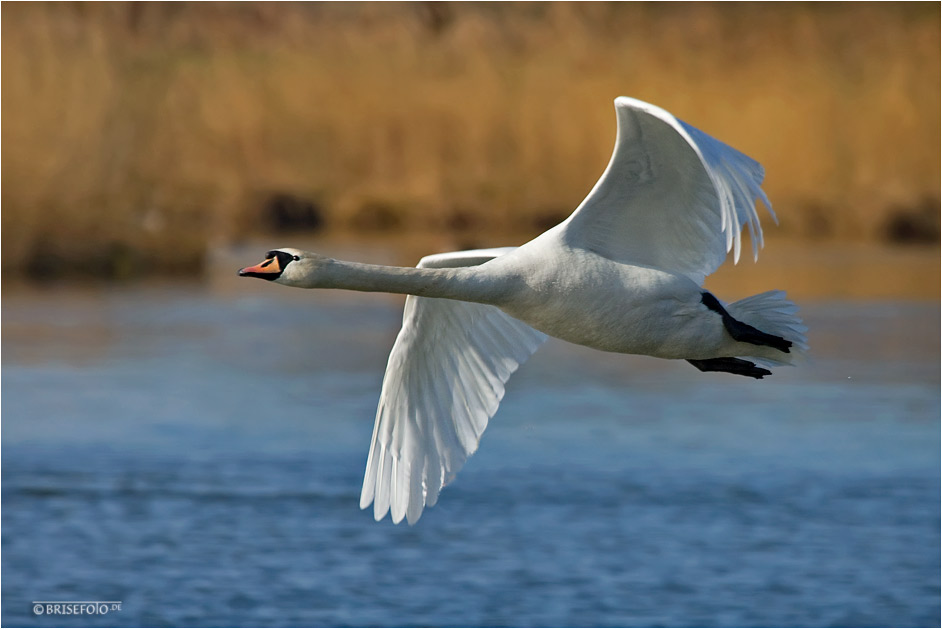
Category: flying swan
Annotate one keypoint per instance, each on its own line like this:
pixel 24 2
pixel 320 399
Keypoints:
pixel 622 274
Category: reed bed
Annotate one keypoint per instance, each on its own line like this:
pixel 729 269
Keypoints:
pixel 137 136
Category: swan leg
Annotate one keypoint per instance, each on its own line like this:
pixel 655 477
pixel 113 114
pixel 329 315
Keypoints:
pixel 743 332
pixel 738 366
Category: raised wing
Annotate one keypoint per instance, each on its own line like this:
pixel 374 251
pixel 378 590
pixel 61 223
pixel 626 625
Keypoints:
pixel 672 197
pixel 444 381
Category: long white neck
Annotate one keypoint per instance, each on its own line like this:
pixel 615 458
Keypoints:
pixel 461 283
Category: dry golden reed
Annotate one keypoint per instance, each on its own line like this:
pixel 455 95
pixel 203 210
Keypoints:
pixel 137 135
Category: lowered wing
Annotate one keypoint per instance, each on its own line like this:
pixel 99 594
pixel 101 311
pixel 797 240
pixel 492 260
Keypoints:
pixel 444 381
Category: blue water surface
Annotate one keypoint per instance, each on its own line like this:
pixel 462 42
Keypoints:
pixel 197 454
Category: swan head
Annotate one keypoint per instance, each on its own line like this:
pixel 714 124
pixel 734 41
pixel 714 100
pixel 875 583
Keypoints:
pixel 291 267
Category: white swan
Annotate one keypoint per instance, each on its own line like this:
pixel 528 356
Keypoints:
pixel 621 274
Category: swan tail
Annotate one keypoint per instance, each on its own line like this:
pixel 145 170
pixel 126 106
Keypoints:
pixel 775 315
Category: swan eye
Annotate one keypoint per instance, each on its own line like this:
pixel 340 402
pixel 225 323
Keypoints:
pixel 295 257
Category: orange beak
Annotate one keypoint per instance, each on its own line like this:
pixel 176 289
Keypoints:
pixel 268 269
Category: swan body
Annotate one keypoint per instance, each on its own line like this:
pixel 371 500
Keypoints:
pixel 629 303
pixel 622 274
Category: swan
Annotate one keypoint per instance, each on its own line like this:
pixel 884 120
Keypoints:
pixel 623 273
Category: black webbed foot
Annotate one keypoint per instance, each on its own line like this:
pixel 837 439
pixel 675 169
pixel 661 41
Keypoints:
pixel 738 366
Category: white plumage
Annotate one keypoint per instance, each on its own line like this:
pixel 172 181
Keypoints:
pixel 623 273
pixel 444 380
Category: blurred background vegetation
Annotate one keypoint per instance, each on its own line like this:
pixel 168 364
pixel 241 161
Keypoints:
pixel 138 137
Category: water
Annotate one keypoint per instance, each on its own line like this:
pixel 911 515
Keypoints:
pixel 196 453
